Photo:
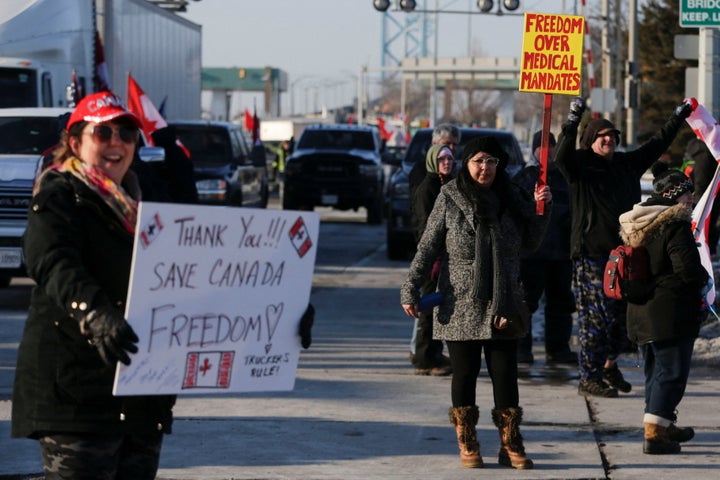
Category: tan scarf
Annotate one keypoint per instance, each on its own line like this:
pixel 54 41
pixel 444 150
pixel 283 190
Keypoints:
pixel 114 195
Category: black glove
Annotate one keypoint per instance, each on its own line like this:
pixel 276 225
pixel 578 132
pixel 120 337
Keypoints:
pixel 577 108
pixel 684 110
pixel 306 323
pixel 111 334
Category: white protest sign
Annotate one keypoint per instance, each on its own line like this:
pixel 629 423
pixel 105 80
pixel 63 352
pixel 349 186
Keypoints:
pixel 216 296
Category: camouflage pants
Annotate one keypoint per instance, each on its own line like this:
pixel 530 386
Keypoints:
pixel 81 456
pixel 602 332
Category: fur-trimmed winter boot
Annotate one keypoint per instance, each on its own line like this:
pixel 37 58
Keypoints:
pixel 464 419
pixel 512 450
pixel 657 441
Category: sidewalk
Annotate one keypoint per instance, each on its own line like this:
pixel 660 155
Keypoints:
pixel 358 412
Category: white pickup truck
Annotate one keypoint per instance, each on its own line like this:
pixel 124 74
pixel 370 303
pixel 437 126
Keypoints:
pixel 25 133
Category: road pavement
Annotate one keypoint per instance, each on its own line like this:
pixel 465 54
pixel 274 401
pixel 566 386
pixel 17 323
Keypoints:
pixel 359 412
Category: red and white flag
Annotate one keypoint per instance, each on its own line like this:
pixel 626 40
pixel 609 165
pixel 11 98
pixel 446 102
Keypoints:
pixel 102 76
pixel 151 230
pixel 141 105
pixel 208 369
pixel 707 129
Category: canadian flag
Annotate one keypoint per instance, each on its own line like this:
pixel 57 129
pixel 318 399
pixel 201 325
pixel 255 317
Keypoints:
pixel 102 76
pixel 141 105
pixel 707 129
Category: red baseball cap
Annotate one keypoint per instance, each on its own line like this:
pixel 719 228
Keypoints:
pixel 99 108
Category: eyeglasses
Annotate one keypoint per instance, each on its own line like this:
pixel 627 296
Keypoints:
pixel 104 133
pixel 612 134
pixel 446 158
pixel 488 161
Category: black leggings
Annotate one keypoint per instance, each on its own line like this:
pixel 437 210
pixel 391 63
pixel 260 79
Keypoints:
pixel 501 360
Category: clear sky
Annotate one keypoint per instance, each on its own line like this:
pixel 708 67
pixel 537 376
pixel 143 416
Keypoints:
pixel 322 44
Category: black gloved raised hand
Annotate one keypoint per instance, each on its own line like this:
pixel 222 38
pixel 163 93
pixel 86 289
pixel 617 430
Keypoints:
pixel 305 329
pixel 685 109
pixel 577 108
pixel 111 334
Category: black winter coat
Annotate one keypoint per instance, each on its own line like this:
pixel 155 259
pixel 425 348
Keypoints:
pixel 556 243
pixel 673 311
pixel 423 200
pixel 601 190
pixel 79 255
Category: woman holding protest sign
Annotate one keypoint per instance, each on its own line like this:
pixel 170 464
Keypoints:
pixel 78 249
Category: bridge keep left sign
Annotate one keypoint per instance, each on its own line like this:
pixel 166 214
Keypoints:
pixel 552 53
pixel 216 295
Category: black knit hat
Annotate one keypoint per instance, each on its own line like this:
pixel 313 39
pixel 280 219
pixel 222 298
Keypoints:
pixel 537 140
pixel 593 127
pixel 669 183
pixel 489 145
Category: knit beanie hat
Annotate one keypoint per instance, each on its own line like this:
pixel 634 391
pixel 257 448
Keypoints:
pixel 537 140
pixel 593 127
pixel 487 144
pixel 668 183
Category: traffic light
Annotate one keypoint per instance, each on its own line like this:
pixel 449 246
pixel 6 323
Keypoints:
pixel 486 5
pixel 381 5
pixel 407 5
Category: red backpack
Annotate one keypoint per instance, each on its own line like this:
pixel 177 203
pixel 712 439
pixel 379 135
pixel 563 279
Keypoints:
pixel 626 274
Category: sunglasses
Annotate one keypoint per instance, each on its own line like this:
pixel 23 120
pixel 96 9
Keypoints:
pixel 611 134
pixel 490 161
pixel 104 133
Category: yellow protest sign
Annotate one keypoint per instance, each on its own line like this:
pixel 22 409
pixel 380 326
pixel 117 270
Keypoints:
pixel 552 53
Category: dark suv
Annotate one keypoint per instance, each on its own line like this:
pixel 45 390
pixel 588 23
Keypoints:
pixel 338 166
pixel 227 170
pixel 400 236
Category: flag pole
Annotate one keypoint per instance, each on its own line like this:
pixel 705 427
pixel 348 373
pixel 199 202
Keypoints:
pixel 544 149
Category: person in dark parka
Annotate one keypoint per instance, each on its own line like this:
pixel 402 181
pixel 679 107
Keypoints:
pixel 439 166
pixel 78 249
pixel 666 325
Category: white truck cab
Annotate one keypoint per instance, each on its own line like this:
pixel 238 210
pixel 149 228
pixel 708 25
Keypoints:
pixel 25 133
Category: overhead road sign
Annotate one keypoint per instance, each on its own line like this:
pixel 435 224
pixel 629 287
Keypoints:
pixel 699 13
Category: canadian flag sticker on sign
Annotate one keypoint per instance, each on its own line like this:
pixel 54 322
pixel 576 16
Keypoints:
pixel 151 229
pixel 299 237
pixel 208 369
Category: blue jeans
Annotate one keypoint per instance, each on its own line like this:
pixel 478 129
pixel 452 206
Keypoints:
pixel 667 367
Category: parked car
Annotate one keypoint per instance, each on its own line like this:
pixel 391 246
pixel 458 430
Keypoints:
pixel 338 166
pixel 25 133
pixel 400 237
pixel 227 170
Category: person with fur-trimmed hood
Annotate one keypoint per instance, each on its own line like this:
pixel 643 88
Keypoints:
pixel 665 327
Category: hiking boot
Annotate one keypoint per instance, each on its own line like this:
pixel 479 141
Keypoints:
pixel 562 358
pixel 657 441
pixel 597 388
pixel 525 357
pixel 680 434
pixel 437 370
pixel 614 377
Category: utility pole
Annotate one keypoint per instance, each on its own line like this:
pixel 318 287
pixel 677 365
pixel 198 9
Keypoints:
pixel 708 53
pixel 617 62
pixel 631 92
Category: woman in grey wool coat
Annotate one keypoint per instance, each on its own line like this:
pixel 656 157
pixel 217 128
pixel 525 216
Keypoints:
pixel 480 224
